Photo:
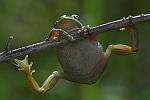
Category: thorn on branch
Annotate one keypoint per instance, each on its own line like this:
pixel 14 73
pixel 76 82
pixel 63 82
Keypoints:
pixel 6 51
pixel 8 43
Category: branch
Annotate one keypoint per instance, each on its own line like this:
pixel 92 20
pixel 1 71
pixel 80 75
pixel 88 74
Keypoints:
pixel 5 56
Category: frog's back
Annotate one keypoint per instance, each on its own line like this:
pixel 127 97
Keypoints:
pixel 79 58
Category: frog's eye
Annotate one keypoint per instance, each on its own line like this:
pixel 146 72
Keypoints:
pixel 76 17
pixel 55 25
pixel 64 16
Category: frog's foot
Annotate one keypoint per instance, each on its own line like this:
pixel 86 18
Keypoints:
pixel 58 34
pixel 134 32
pixel 84 28
pixel 24 65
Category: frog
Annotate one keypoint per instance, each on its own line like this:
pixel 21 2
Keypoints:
pixel 82 61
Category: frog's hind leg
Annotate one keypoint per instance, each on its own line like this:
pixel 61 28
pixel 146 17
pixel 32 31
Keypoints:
pixel 49 83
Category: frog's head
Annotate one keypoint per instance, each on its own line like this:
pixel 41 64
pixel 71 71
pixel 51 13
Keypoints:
pixel 68 22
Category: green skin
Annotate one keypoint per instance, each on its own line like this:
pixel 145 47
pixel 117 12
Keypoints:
pixel 83 61
pixel 68 23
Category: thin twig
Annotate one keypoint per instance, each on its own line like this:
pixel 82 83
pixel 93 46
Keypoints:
pixel 11 54
pixel 8 44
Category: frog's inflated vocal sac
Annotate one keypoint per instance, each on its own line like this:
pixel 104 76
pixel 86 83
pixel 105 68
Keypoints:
pixel 83 61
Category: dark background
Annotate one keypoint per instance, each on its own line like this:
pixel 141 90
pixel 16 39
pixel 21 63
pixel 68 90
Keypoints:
pixel 29 21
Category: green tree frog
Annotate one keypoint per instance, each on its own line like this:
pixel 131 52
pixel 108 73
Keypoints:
pixel 83 61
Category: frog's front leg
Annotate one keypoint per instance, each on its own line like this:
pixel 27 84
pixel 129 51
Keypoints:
pixel 58 34
pixel 26 68
pixel 87 28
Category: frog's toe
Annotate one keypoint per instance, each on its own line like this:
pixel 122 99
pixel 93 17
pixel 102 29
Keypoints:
pixel 20 64
pixel 24 65
pixel 70 38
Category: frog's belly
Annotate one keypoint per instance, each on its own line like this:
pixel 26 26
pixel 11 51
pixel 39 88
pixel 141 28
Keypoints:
pixel 79 58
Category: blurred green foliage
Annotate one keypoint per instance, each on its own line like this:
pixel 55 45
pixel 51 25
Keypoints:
pixel 29 21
